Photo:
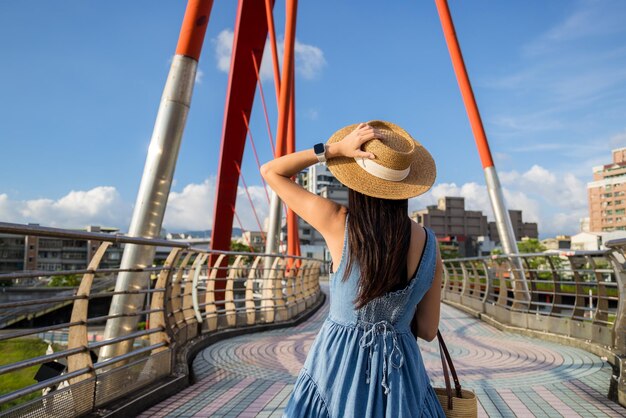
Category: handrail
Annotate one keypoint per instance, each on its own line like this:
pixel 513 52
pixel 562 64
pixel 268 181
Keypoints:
pixel 182 308
pixel 575 296
pixel 48 232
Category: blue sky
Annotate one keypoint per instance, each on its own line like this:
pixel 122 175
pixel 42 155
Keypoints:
pixel 81 81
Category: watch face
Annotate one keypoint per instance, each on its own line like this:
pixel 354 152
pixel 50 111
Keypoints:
pixel 319 148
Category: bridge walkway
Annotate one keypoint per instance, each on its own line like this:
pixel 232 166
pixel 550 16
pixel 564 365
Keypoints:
pixel 513 375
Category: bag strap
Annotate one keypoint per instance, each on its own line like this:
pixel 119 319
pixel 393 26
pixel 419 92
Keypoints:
pixel 446 378
pixel 443 350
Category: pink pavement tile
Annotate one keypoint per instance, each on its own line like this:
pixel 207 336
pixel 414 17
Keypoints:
pixel 224 397
pixel 555 402
pixel 513 402
pixel 259 403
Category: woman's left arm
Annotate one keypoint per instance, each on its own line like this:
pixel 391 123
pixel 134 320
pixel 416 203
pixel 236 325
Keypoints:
pixel 314 209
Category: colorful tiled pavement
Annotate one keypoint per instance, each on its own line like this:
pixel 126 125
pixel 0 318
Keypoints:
pixel 513 375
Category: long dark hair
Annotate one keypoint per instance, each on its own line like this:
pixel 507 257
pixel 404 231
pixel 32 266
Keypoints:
pixel 379 235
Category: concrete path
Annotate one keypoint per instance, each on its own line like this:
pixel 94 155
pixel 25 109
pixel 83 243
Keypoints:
pixel 513 375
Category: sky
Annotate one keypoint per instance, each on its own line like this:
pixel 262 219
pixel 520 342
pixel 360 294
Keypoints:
pixel 80 84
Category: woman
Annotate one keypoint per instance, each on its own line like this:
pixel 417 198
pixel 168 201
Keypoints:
pixel 365 362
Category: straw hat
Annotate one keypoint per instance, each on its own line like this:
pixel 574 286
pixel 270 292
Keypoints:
pixel 402 167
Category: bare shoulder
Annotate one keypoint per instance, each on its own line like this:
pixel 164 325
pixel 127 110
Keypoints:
pixel 418 233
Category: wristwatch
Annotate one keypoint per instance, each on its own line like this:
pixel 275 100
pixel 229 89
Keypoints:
pixel 320 151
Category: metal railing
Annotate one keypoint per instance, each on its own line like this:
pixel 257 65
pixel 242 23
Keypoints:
pixel 186 299
pixel 576 297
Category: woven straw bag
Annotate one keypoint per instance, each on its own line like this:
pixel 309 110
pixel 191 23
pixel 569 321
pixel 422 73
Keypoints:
pixel 462 403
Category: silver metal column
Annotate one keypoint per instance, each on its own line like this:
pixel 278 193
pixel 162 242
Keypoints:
pixel 505 230
pixel 151 201
pixel 273 232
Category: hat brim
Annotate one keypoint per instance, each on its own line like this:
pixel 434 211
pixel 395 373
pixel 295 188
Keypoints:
pixel 419 180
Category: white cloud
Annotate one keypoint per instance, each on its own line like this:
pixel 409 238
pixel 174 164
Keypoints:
pixel 556 201
pixel 192 208
pixel 98 206
pixel 188 209
pixel 224 49
pixel 309 58
pixel 199 76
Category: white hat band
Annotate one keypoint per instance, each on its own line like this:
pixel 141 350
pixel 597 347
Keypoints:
pixel 381 171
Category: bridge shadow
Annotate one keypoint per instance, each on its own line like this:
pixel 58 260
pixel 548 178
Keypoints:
pixel 513 375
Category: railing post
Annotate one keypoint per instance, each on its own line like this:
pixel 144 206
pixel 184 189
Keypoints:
pixel 253 276
pixel 174 299
pixel 77 337
pixel 487 289
pixel 463 291
pixel 194 289
pixel 189 313
pixel 157 319
pixel 445 282
pixel 277 275
pixel 299 290
pixel 579 300
pixel 210 308
pixel 230 310
pixel 290 274
pixel 503 289
pixel 600 313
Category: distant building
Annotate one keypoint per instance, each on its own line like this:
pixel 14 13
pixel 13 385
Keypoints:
pixel 607 199
pixel 584 224
pixel 560 242
pixel 485 246
pixel 19 253
pixel 338 194
pixel 317 176
pixel 592 241
pixel 254 239
pixel 521 229
pixel 449 218
pixel 456 226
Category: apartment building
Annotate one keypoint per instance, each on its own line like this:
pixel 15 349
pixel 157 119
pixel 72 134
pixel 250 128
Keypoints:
pixel 607 199
pixel 19 253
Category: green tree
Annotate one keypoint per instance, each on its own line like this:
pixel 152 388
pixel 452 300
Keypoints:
pixel 531 245
pixel 448 251
pixel 241 247
pixel 71 280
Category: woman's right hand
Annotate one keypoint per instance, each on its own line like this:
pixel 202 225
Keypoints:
pixel 350 146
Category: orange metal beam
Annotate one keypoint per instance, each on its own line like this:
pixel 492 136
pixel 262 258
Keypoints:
pixel 272 33
pixel 286 80
pixel 464 83
pixel 194 27
pixel 250 36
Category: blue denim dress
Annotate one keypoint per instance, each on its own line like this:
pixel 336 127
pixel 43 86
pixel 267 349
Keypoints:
pixel 365 362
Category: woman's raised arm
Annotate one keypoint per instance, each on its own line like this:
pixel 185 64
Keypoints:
pixel 314 209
